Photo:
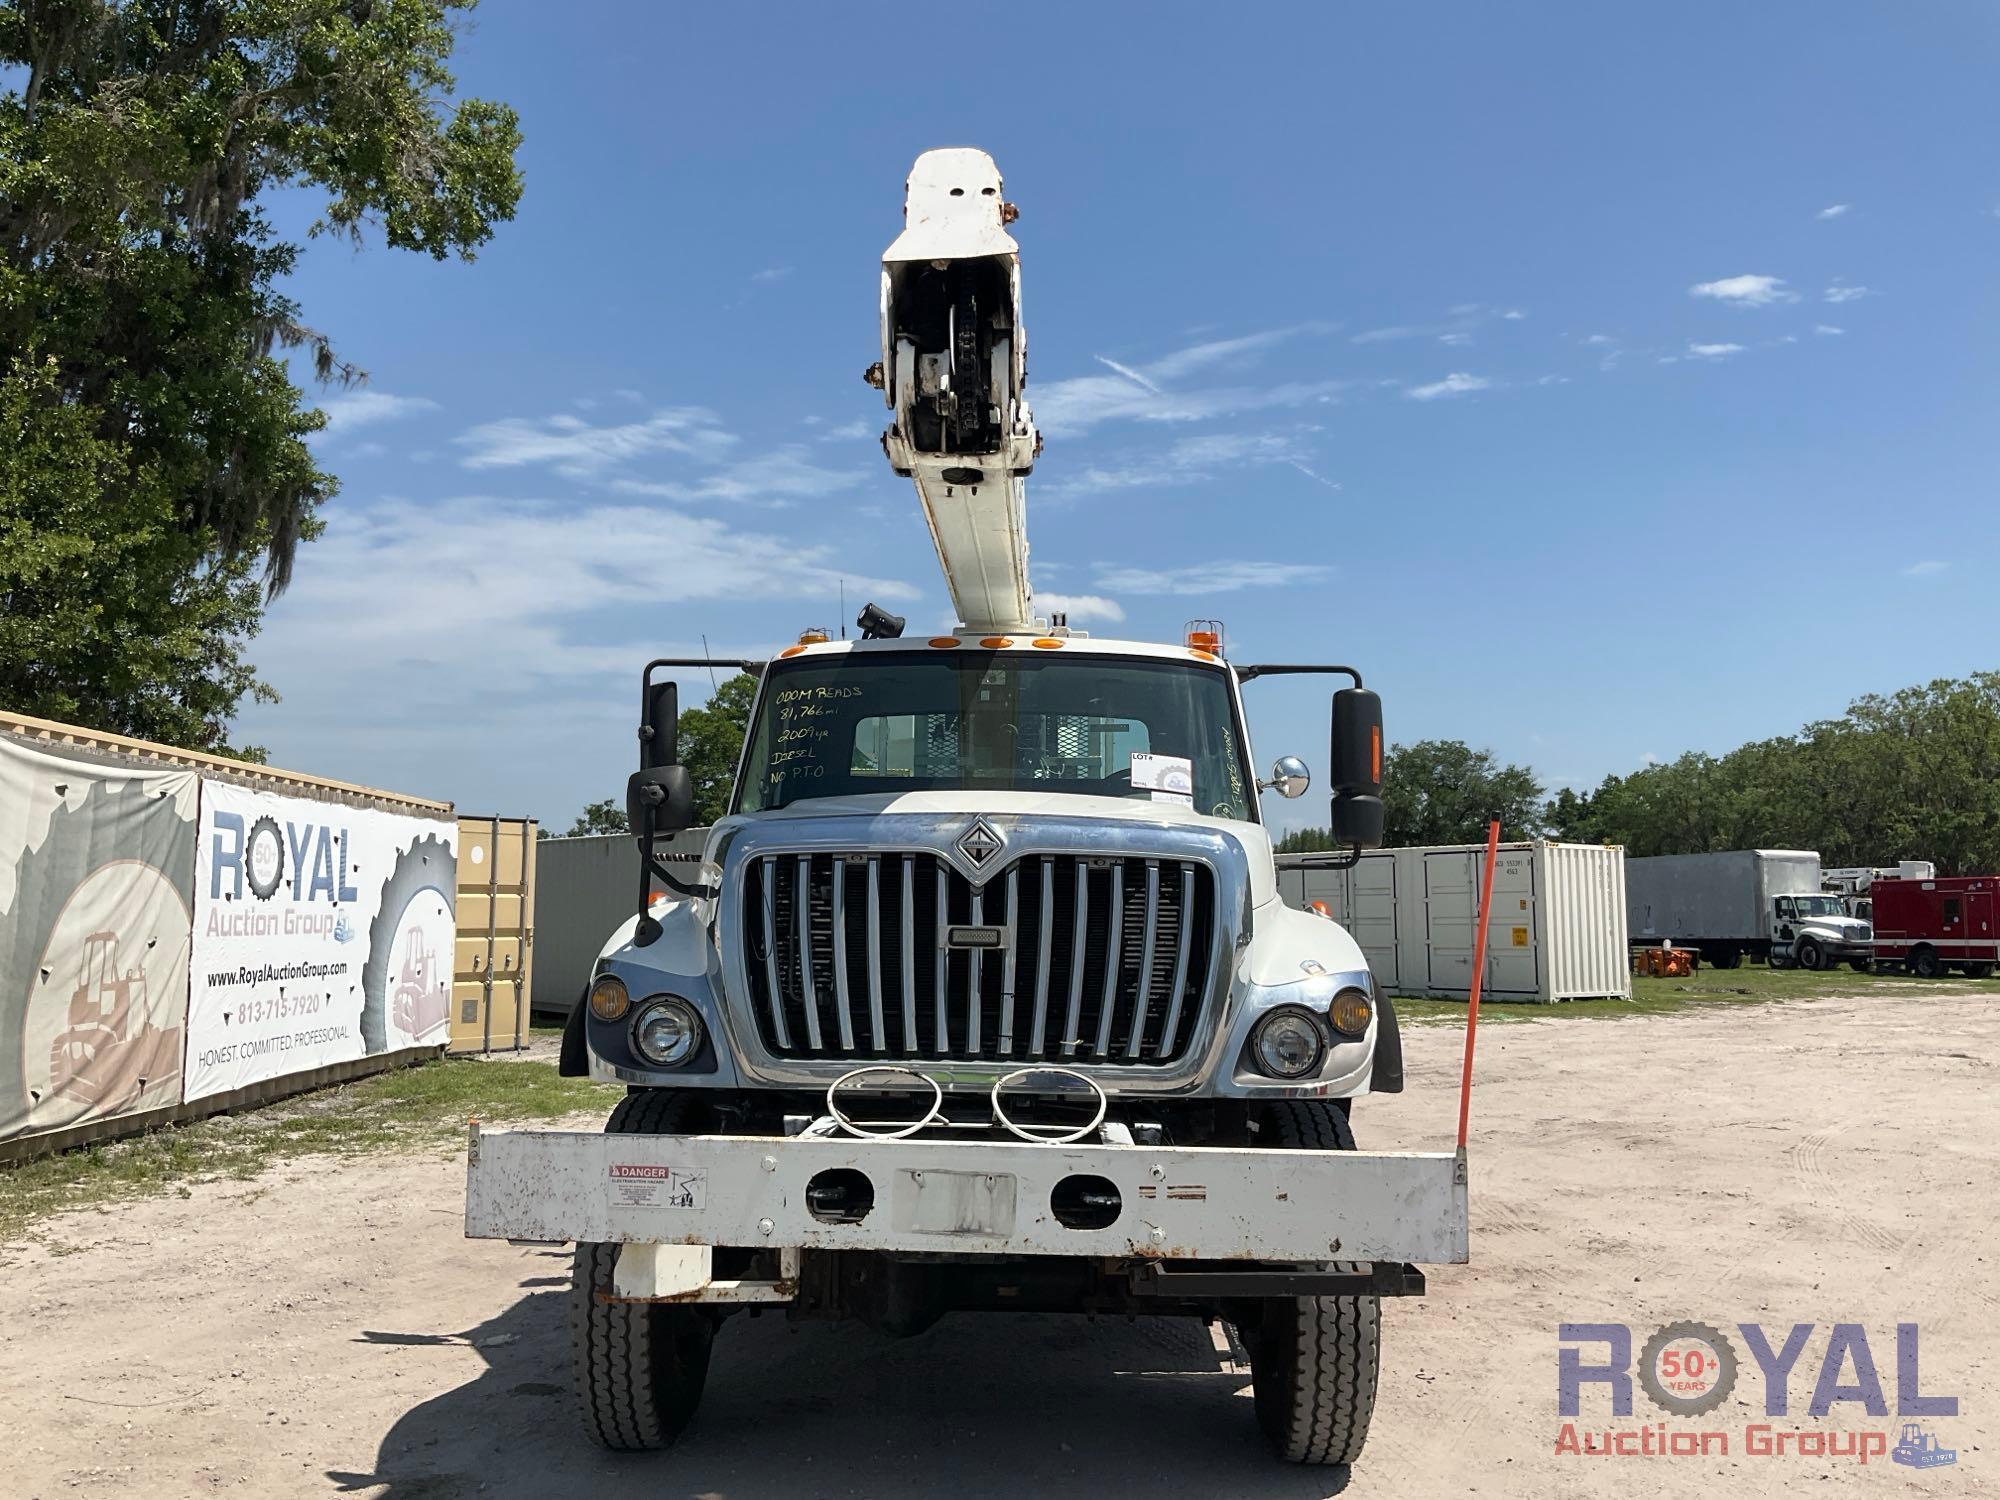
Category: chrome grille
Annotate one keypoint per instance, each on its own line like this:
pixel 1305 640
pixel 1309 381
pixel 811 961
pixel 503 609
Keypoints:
pixel 1096 959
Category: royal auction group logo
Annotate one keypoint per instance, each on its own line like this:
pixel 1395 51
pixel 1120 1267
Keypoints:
pixel 1689 1369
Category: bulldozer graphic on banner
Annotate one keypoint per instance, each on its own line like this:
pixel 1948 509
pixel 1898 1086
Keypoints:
pixel 422 1002
pixel 110 1051
pixel 1919 1449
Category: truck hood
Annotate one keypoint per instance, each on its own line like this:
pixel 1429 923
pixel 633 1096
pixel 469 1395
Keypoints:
pixel 1253 839
pixel 1846 929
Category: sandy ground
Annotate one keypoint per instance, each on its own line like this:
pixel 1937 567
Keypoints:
pixel 325 1330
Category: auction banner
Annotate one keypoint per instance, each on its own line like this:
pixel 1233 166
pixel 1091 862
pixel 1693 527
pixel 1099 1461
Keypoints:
pixel 95 865
pixel 322 933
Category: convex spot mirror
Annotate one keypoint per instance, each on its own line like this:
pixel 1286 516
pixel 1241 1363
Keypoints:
pixel 1289 776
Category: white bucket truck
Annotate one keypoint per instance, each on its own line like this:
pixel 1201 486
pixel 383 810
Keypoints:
pixel 983 997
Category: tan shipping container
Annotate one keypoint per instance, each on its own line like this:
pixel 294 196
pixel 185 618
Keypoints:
pixel 493 971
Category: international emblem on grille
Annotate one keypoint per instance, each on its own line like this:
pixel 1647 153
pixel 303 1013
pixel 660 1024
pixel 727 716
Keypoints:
pixel 980 842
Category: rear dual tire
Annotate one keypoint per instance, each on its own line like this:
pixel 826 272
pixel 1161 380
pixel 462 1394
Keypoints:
pixel 1314 1361
pixel 640 1366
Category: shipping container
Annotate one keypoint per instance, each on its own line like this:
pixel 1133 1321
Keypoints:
pixel 183 933
pixel 589 887
pixel 492 973
pixel 1557 931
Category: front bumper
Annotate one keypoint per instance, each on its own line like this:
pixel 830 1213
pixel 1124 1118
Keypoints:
pixel 984 1197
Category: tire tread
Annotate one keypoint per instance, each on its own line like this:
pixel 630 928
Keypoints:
pixel 1324 1353
pixel 626 1403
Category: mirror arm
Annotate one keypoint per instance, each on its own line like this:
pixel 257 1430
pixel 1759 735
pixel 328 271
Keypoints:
pixel 1250 672
pixel 1345 861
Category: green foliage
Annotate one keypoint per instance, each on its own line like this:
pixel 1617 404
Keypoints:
pixel 1307 841
pixel 141 328
pixel 1445 792
pixel 1915 775
pixel 597 818
pixel 711 742
pixel 136 626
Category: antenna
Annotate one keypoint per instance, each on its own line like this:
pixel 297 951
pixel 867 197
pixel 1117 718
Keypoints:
pixel 713 685
pixel 843 609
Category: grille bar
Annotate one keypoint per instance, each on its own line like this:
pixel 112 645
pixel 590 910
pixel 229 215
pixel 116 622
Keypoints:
pixel 853 935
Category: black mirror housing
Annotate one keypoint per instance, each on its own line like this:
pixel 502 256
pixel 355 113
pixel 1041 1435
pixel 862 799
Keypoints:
pixel 1358 817
pixel 659 725
pixel 659 800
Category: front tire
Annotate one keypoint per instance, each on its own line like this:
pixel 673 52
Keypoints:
pixel 640 1366
pixel 1809 953
pixel 1924 963
pixel 1314 1361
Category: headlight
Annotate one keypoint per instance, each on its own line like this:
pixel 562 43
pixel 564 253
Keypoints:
pixel 666 1032
pixel 1287 1044
pixel 608 999
pixel 1351 1012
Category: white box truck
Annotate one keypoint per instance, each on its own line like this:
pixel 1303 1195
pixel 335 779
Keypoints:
pixel 1558 927
pixel 1760 903
pixel 982 996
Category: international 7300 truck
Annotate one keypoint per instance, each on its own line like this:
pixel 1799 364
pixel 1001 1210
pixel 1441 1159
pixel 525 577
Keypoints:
pixel 982 997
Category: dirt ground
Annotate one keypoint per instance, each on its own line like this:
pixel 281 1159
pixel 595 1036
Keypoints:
pixel 325 1329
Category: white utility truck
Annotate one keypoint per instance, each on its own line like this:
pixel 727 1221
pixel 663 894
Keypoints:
pixel 983 997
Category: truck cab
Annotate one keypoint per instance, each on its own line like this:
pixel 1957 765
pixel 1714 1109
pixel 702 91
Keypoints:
pixel 1815 931
pixel 986 854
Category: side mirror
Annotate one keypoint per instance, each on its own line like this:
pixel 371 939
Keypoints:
pixel 659 726
pixel 1357 768
pixel 660 799
pixel 1289 776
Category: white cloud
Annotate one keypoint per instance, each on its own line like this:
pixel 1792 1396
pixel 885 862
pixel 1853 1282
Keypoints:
pixel 1925 569
pixel 1457 383
pixel 1207 578
pixel 848 432
pixel 770 274
pixel 1713 351
pixel 1455 340
pixel 1828 329
pixel 1513 315
pixel 1833 210
pixel 573 447
pixel 1599 340
pixel 1129 373
pixel 1840 292
pixel 1188 460
pixel 352 410
pixel 1391 334
pixel 1081 608
pixel 779 477
pixel 1153 390
pixel 488 650
pixel 1746 291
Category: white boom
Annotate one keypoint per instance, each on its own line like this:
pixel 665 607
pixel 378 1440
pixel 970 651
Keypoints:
pixel 954 366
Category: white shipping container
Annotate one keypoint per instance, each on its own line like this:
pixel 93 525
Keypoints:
pixel 1558 930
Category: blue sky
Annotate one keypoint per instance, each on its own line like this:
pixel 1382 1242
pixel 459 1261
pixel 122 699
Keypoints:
pixel 1605 384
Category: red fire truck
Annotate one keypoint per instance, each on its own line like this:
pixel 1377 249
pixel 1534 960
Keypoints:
pixel 1930 926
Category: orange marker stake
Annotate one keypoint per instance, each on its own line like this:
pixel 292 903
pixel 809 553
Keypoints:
pixel 1478 973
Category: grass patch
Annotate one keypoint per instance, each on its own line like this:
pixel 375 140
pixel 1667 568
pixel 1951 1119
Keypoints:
pixel 1749 985
pixel 419 1107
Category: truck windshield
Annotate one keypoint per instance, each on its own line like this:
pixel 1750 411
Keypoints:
pixel 1816 906
pixel 1107 726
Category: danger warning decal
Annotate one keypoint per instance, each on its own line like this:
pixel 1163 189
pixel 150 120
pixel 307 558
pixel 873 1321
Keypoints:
pixel 643 1185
